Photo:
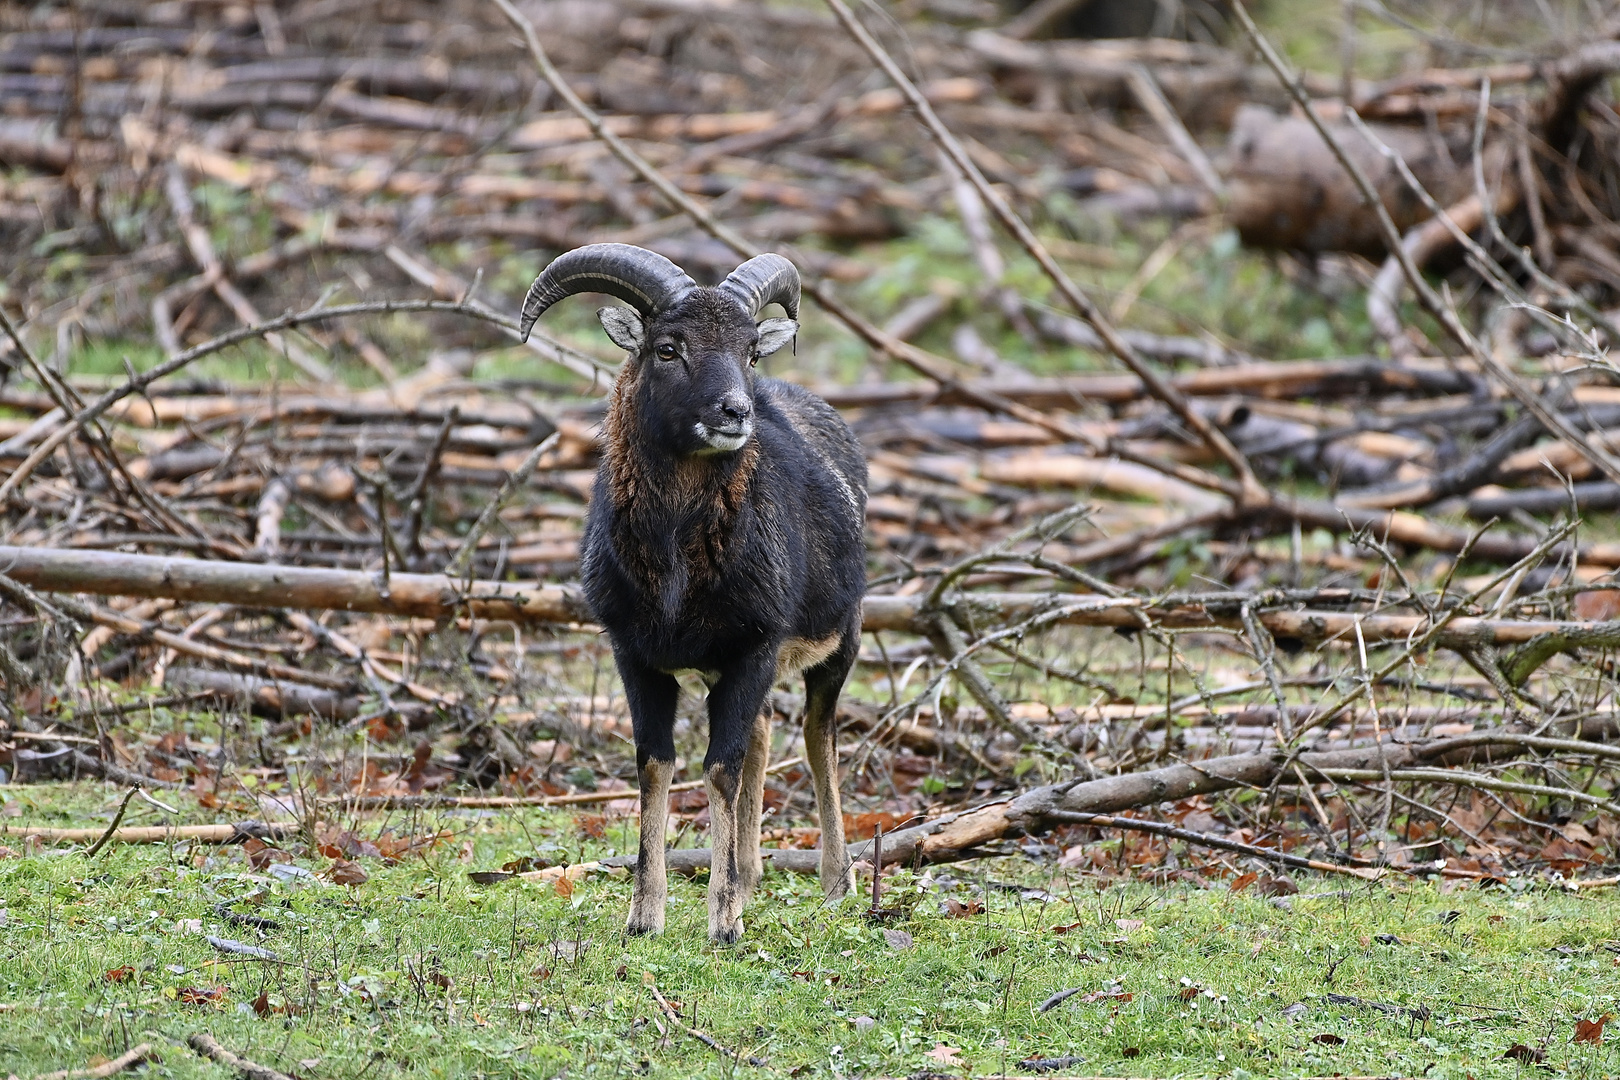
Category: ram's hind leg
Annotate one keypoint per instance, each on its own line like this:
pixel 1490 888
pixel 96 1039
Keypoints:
pixel 822 685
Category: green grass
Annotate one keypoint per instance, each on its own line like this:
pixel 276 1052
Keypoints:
pixel 419 972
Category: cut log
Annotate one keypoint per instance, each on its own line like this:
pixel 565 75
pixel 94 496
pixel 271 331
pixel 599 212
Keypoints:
pixel 1289 192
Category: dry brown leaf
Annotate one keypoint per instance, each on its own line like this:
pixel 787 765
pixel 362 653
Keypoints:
pixel 1591 1031
pixel 344 872
pixel 1525 1054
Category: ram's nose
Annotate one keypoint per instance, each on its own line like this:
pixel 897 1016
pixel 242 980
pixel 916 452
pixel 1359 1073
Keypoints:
pixel 736 406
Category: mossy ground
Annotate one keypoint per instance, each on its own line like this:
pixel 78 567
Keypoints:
pixel 420 972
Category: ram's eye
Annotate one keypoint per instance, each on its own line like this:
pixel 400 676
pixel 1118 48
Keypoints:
pixel 666 351
pixel 753 361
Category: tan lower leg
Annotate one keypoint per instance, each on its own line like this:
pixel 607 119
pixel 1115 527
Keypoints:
pixel 821 748
pixel 726 885
pixel 751 804
pixel 651 886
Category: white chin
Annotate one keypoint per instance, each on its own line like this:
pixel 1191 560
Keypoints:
pixel 723 443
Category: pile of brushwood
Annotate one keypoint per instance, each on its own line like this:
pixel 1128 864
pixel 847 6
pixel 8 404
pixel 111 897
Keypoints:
pixel 330 496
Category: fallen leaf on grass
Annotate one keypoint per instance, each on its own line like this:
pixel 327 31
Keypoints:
pixel 1106 995
pixel 1591 1031
pixel 1523 1053
pixel 1128 925
pixel 526 864
pixel 266 1006
pixel 945 1055
pixel 120 974
pixel 489 877
pixel 261 855
pixel 201 995
pixel 1327 1038
pixel 958 910
pixel 1130 1051
pixel 1276 886
pixel 1066 927
pixel 1243 881
pixel 898 940
pixel 344 872
pixel 564 886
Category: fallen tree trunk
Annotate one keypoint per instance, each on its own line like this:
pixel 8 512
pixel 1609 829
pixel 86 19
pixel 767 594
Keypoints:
pixel 258 585
pixel 957 836
pixel 439 596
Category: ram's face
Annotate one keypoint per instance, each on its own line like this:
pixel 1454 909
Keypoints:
pixel 698 369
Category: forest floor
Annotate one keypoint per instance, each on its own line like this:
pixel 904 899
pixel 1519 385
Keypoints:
pixel 418 971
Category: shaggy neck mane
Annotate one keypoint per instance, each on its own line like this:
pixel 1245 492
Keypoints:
pixel 643 481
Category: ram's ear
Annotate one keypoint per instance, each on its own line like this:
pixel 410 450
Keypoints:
pixel 624 327
pixel 775 333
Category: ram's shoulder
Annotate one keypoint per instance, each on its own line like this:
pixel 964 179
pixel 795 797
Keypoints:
pixel 819 429
pixel 808 414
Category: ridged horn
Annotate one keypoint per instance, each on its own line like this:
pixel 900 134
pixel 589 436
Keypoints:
pixel 764 279
pixel 643 279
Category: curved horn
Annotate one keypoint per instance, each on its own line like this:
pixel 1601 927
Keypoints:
pixel 764 279
pixel 643 279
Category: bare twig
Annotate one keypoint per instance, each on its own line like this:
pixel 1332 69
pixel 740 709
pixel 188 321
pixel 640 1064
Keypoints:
pixel 118 818
pixel 460 563
pixel 707 1040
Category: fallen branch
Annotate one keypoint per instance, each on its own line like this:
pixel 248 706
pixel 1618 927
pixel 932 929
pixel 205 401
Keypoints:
pixel 204 1044
pixel 957 836
pixel 159 834
pixel 439 596
pixel 135 1055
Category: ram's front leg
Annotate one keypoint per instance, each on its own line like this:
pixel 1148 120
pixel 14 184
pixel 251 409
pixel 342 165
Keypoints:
pixel 652 696
pixel 738 741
